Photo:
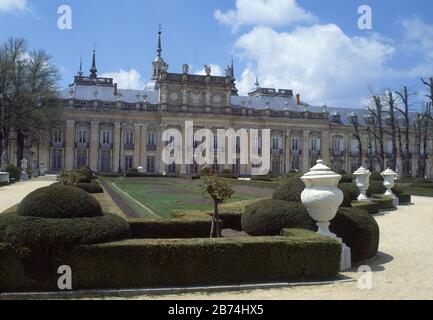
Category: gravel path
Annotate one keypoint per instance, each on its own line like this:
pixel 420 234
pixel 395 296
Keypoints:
pixel 402 270
pixel 14 193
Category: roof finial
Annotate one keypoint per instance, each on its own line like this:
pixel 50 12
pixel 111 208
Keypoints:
pixel 93 70
pixel 233 69
pixel 159 49
pixel 80 73
pixel 257 84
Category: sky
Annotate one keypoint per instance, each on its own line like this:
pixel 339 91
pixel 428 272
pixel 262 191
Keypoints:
pixel 314 47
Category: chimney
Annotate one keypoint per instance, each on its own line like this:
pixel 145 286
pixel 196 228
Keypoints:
pixel 298 99
pixel 115 89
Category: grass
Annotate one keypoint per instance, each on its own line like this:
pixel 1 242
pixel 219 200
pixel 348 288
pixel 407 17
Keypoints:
pixel 168 197
pixel 420 192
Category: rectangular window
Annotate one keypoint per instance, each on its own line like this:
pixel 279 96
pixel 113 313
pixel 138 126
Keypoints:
pixel 82 136
pixel 337 145
pixel 276 143
pixel 58 136
pixel 150 164
pixel 296 144
pixel 105 161
pixel 151 139
pixel 315 144
pixel 128 163
pixel 129 138
pixel 106 137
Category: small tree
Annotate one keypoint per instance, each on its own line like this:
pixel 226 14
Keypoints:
pixel 219 190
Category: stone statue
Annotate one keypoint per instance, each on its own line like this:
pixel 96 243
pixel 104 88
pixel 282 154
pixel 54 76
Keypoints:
pixel 207 69
pixel 24 164
pixel 185 68
pixel 229 71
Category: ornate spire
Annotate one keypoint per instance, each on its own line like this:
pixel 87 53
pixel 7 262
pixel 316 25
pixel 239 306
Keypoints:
pixel 257 84
pixel 233 69
pixel 80 73
pixel 159 49
pixel 93 70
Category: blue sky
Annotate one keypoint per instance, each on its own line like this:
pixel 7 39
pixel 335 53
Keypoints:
pixel 313 47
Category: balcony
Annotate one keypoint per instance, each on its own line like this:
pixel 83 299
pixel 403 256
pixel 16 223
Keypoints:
pixel 337 154
pixel 82 145
pixel 315 153
pixel 106 146
pixel 354 154
pixel 296 153
pixel 128 147
pixel 277 152
pixel 151 147
pixel 57 144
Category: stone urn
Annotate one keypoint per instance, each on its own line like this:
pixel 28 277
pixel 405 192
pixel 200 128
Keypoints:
pixel 389 177
pixel 141 170
pixel 362 182
pixel 322 197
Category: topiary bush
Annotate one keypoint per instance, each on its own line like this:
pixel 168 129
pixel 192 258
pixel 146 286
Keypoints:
pixel 404 198
pixel 290 189
pixel 90 187
pixel 376 187
pixel 376 176
pixel 87 173
pixel 268 217
pixel 369 206
pixel 14 172
pixel 357 228
pixel 71 178
pixel 350 192
pixel 59 202
pixel 359 231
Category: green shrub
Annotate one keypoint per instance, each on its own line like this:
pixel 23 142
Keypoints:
pixel 71 178
pixel 364 232
pixel 383 202
pixel 90 187
pixel 170 228
pixel 376 176
pixel 290 189
pixel 350 192
pixel 404 198
pixel 359 231
pixel 87 173
pixel 422 183
pixel 231 220
pixel 346 178
pixel 369 206
pixel 262 178
pixel 59 202
pixel 206 172
pixel 268 217
pixel 132 172
pixel 376 187
pixel 47 234
pixel 228 174
pixel 14 172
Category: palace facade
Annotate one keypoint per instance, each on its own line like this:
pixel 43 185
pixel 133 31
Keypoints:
pixel 111 129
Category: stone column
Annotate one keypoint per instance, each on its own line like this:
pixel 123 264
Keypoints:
pixel 137 145
pixel 324 147
pixel 69 145
pixel 160 165
pixel 306 151
pixel 116 145
pixel 287 149
pixel 184 151
pixel 143 148
pixel 94 145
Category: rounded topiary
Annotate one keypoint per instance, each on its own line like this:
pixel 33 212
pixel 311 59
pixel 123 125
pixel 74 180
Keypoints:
pixel 47 234
pixel 90 187
pixel 59 202
pixel 268 217
pixel 359 231
pixel 290 189
pixel 357 228
pixel 376 176
pixel 350 192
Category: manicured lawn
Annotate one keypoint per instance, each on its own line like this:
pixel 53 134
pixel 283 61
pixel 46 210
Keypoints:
pixel 421 192
pixel 165 197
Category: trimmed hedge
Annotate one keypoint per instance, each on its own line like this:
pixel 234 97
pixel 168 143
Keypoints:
pixel 369 206
pixel 376 176
pixel 359 231
pixel 404 198
pixel 362 239
pixel 350 192
pixel 14 172
pixel 170 228
pixel 59 202
pixel 422 183
pixel 90 187
pixel 231 220
pixel 47 234
pixel 383 202
pixel 163 263
pixel 290 189
pixel 268 217
pixel 376 187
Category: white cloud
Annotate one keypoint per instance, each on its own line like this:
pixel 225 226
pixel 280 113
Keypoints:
pixel 264 13
pixel 417 36
pixel 216 70
pixel 321 62
pixel 12 5
pixel 126 79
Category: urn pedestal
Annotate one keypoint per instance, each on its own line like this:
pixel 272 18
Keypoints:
pixel 4 178
pixel 322 197
pixel 362 182
pixel 389 177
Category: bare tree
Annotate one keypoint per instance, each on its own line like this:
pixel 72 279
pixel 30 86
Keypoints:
pixel 355 123
pixel 390 100
pixel 406 154
pixel 378 131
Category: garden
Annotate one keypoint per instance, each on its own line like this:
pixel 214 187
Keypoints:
pixel 205 232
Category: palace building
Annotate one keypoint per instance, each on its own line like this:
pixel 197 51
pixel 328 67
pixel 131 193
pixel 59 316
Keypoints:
pixel 111 129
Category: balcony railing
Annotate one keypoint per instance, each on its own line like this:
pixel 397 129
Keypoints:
pixel 277 152
pixel 129 147
pixel 82 145
pixel 296 152
pixel 337 154
pixel 57 144
pixel 315 153
pixel 106 146
pixel 151 147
